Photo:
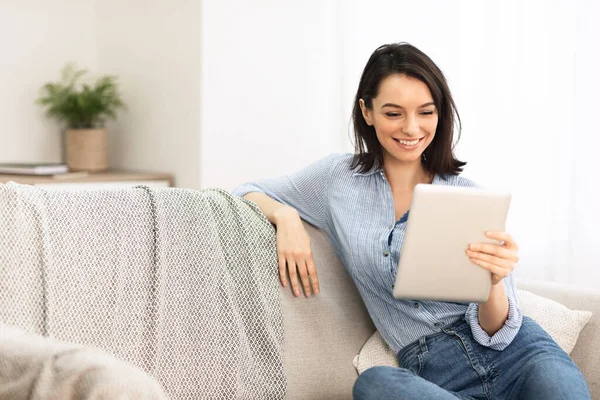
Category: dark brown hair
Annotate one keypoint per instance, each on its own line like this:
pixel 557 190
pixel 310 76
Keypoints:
pixel 403 58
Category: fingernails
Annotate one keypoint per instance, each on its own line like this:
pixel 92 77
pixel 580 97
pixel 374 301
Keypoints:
pixel 297 293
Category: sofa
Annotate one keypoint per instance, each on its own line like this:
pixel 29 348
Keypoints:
pixel 324 333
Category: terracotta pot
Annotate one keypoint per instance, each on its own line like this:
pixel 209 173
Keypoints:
pixel 87 149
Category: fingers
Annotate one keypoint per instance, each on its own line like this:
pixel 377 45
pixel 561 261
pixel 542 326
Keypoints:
pixel 293 277
pixel 509 242
pixel 301 274
pixel 495 250
pixel 282 271
pixel 312 273
pixel 498 273
pixel 502 263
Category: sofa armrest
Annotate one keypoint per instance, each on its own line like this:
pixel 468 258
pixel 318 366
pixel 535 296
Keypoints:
pixel 587 350
pixel 41 368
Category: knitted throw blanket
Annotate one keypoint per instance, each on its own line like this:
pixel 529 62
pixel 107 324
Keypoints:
pixel 180 283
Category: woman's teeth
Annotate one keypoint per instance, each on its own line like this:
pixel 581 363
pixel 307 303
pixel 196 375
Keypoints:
pixel 406 142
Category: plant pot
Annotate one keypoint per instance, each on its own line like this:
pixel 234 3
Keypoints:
pixel 87 149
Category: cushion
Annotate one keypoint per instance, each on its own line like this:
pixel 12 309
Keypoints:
pixel 37 367
pixel 561 323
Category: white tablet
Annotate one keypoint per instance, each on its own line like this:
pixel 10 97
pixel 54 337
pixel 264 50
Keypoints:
pixel 442 221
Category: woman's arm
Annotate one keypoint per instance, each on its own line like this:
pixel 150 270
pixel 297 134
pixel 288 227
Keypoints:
pixel 273 210
pixel 494 312
pixel 293 244
pixel 496 322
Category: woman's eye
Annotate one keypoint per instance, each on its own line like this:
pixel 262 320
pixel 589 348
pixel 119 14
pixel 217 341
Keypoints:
pixel 392 114
pixel 427 113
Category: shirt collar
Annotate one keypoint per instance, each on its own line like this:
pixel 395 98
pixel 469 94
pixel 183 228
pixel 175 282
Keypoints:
pixel 374 170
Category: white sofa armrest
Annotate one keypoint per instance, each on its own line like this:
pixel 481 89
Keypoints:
pixel 33 367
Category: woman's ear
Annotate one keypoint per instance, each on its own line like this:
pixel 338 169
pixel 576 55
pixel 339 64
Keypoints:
pixel 367 114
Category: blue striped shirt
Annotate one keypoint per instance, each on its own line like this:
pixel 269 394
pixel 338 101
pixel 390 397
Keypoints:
pixel 356 210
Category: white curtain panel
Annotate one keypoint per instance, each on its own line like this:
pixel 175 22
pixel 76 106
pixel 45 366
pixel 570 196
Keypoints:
pixel 525 76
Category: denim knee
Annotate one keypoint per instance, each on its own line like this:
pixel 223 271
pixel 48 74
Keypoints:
pixel 378 379
pixel 555 378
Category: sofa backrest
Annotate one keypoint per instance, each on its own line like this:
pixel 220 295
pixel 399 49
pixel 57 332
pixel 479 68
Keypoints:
pixel 323 333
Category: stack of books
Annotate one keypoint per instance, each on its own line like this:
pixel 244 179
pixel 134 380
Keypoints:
pixel 56 170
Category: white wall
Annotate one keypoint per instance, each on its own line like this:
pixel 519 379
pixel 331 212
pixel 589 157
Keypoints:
pixel 154 47
pixel 270 88
pixel 37 38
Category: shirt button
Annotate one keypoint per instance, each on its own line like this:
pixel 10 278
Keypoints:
pixel 416 305
pixel 437 324
pixel 385 254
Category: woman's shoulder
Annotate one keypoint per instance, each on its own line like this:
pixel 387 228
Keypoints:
pixel 337 162
pixel 455 180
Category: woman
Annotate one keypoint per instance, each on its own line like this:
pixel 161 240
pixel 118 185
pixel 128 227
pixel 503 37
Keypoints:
pixel 404 127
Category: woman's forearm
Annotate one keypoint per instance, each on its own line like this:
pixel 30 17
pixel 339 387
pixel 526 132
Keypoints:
pixel 494 312
pixel 273 210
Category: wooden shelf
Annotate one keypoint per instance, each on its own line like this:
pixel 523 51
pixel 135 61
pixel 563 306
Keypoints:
pixel 113 176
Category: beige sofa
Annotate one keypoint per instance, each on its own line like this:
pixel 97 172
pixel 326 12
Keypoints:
pixel 324 333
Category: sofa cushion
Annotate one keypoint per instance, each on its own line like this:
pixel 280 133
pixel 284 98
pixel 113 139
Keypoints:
pixel 323 332
pixel 563 324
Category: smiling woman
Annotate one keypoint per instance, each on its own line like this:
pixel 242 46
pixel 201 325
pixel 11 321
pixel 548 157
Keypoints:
pixel 404 121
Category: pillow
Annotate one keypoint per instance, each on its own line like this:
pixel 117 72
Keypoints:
pixel 561 323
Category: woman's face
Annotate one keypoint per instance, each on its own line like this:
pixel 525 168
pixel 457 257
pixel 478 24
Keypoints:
pixel 404 117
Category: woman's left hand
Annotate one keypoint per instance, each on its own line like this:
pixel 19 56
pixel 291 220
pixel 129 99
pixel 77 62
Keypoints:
pixel 499 259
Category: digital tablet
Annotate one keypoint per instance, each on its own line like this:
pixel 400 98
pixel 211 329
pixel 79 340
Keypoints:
pixel 442 222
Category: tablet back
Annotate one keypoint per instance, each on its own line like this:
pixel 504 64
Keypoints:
pixel 443 220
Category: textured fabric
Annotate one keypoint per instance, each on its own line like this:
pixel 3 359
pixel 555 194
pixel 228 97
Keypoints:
pixel 180 283
pixel 36 368
pixel 450 364
pixel 323 332
pixel 356 210
pixel 562 324
pixel 374 353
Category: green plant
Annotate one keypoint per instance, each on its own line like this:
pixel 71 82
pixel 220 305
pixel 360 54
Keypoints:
pixel 81 105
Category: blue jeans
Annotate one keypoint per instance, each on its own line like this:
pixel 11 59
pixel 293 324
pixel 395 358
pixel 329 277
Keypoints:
pixel 451 364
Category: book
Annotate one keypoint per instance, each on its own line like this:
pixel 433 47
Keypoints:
pixel 33 168
pixel 71 175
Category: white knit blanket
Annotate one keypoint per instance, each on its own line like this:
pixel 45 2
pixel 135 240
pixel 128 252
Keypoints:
pixel 180 283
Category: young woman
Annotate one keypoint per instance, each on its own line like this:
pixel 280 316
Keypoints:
pixel 404 119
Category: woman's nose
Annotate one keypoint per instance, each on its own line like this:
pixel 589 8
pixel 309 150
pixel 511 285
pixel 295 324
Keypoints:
pixel 411 127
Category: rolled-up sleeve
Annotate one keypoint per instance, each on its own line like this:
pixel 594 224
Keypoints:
pixel 305 190
pixel 501 339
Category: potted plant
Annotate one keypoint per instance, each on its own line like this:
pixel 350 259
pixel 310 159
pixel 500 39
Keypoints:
pixel 83 108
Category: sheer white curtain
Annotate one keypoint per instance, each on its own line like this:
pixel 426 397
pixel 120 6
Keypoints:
pixel 525 78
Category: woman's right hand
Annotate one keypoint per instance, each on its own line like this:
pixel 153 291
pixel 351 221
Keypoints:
pixel 294 253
